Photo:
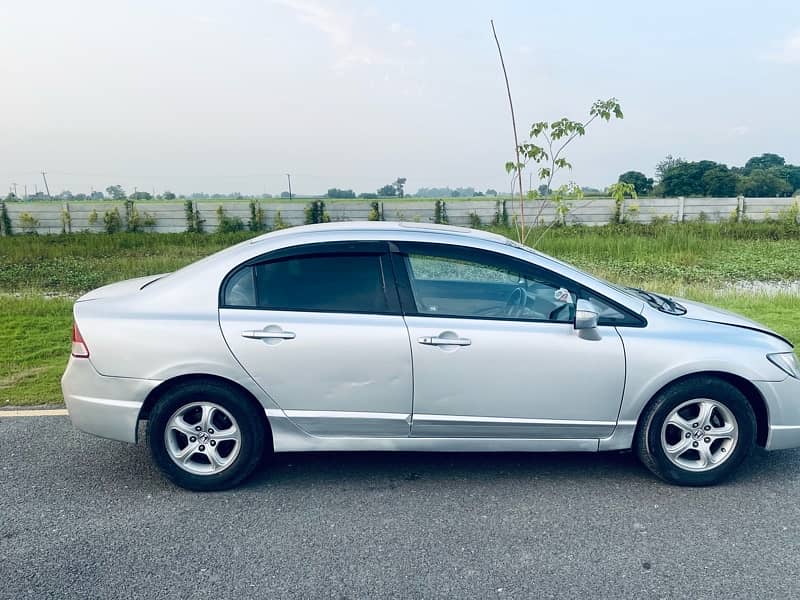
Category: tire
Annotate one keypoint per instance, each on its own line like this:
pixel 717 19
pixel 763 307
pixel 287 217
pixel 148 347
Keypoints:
pixel 674 443
pixel 227 448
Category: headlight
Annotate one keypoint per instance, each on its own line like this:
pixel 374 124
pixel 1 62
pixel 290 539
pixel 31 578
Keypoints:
pixel 787 362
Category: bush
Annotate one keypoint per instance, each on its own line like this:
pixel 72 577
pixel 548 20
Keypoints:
pixel 256 222
pixel 28 223
pixel 278 222
pixel 112 221
pixel 5 221
pixel 500 214
pixel 315 212
pixel 375 212
pixel 66 220
pixel 194 223
pixel 440 212
pixel 475 220
pixel 226 224
pixel 791 215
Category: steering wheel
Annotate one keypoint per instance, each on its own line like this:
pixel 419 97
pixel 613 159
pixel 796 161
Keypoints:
pixel 516 302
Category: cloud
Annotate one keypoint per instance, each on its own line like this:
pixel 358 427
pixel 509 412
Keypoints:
pixel 787 51
pixel 738 131
pixel 339 30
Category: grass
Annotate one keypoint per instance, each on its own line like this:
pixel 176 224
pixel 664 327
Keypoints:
pixel 693 261
pixel 34 347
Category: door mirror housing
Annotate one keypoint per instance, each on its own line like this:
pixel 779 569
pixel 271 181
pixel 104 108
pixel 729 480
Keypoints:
pixel 586 315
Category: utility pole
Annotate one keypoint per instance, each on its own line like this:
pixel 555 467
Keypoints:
pixel 46 186
pixel 14 185
pixel 289 179
pixel 26 191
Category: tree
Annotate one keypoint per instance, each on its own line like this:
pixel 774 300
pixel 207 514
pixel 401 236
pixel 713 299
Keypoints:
pixel 556 136
pixel 665 165
pixel 765 161
pixel 543 190
pixel 387 190
pixel 398 184
pixel 286 195
pixel 789 173
pixel 141 196
pixel 491 192
pixel 719 182
pixel 640 182
pixel 763 184
pixel 368 196
pixel 168 195
pixel 337 193
pixel 686 178
pixel 116 192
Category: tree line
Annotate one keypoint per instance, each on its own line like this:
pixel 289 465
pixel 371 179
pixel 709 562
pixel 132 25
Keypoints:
pixel 764 176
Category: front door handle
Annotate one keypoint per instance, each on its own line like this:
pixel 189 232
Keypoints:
pixel 444 341
pixel 260 334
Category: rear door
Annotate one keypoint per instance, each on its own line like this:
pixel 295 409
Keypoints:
pixel 319 329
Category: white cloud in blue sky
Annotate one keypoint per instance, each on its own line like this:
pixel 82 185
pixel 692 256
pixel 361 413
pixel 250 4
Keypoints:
pixel 206 95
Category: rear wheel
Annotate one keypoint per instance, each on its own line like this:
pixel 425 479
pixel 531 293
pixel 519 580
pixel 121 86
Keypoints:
pixel 696 432
pixel 205 436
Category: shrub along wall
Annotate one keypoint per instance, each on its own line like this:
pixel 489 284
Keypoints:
pixel 46 217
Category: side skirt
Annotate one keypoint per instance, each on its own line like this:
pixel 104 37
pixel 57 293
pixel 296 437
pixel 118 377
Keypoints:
pixel 287 437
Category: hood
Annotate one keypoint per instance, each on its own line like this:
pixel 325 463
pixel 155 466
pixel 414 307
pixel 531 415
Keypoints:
pixel 703 312
pixel 121 288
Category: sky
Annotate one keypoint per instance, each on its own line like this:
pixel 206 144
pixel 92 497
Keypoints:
pixel 219 97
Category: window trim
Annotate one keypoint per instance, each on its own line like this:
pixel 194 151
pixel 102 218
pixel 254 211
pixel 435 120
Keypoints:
pixel 400 250
pixel 351 248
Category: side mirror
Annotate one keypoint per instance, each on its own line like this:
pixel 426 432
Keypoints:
pixel 586 315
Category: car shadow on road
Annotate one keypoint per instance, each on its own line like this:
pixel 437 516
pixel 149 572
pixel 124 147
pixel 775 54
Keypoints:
pixel 387 469
pixel 610 468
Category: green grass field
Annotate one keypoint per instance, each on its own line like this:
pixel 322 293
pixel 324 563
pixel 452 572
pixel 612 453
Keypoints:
pixel 41 275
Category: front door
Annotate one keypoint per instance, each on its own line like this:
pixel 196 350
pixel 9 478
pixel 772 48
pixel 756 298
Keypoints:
pixel 320 331
pixel 495 352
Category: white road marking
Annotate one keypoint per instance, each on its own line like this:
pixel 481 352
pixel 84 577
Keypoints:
pixel 53 412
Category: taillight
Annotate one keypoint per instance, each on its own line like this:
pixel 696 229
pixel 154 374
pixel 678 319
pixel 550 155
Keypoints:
pixel 79 348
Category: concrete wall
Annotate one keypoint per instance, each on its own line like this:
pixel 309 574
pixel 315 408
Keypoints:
pixel 170 216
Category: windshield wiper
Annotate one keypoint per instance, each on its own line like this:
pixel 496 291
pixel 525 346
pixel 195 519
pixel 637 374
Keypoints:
pixel 662 303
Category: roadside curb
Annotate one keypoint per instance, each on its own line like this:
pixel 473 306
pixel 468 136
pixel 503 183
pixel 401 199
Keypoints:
pixel 52 412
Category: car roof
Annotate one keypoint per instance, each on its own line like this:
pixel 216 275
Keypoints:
pixel 381 227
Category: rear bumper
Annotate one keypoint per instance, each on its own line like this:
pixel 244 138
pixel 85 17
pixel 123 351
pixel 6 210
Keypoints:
pixel 104 406
pixel 783 407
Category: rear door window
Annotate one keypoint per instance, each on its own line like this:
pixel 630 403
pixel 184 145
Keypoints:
pixel 332 282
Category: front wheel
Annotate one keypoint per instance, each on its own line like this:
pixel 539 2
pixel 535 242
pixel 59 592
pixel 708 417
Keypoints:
pixel 205 436
pixel 696 432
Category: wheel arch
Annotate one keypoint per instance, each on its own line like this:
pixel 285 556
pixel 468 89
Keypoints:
pixel 746 387
pixel 179 380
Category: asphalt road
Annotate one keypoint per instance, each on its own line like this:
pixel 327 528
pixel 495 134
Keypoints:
pixel 82 517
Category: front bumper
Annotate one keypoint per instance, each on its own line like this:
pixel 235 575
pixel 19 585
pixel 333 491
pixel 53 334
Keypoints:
pixel 104 406
pixel 783 408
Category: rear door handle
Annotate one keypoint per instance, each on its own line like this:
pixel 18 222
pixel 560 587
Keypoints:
pixel 443 341
pixel 260 334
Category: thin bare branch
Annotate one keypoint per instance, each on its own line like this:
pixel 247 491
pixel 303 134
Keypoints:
pixel 521 227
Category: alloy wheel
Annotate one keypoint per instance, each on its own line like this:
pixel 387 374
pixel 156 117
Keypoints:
pixel 202 438
pixel 699 435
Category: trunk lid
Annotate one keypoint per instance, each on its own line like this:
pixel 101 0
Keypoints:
pixel 121 288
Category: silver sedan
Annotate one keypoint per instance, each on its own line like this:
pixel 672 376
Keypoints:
pixel 387 336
